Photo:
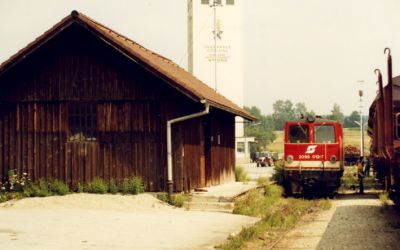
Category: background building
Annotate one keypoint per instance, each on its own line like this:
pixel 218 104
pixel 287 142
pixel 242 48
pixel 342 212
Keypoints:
pixel 215 45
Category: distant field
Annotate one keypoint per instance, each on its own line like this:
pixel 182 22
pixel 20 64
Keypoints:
pixel 351 136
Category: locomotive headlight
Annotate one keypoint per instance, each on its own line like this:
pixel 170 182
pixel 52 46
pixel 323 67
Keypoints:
pixel 333 158
pixel 290 158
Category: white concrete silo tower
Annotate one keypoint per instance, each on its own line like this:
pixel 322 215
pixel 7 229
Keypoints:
pixel 215 53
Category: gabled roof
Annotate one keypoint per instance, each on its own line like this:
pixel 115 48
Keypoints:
pixel 174 75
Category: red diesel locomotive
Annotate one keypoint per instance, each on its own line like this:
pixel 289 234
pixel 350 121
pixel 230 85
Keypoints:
pixel 313 158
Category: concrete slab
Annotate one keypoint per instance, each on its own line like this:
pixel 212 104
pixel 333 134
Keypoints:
pixel 228 191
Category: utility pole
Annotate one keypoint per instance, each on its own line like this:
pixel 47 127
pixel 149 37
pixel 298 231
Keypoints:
pixel 217 35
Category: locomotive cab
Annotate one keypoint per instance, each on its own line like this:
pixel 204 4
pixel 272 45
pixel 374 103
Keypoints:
pixel 313 158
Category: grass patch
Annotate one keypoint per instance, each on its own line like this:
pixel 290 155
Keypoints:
pixel 277 214
pixel 262 181
pixel 241 174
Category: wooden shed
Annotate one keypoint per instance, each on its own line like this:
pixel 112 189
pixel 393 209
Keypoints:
pixel 82 101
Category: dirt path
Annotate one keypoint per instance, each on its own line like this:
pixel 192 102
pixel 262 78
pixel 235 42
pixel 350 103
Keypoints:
pixel 353 222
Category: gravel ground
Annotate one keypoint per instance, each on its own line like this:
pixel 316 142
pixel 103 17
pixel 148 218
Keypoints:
pixel 354 222
pixel 88 221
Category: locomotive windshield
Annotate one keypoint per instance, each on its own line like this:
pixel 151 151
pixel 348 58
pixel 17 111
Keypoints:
pixel 298 134
pixel 324 134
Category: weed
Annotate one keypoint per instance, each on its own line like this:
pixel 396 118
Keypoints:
pixel 97 186
pixel 178 200
pixel 241 174
pixel 10 196
pixel 255 203
pixel 252 204
pixel 58 187
pixel 163 197
pixel 278 175
pixel 384 198
pixel 80 188
pixel 262 181
pixel 133 185
pixel 37 190
pixel 325 204
pixel 113 187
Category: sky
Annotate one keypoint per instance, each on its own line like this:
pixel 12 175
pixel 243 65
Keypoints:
pixel 319 52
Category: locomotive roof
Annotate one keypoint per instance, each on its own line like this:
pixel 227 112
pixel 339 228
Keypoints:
pixel 316 120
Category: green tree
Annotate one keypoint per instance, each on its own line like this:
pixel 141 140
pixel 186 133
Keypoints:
pixel 336 114
pixel 262 130
pixel 283 111
pixel 349 121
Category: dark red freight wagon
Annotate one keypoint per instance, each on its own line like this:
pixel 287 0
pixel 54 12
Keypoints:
pixel 384 130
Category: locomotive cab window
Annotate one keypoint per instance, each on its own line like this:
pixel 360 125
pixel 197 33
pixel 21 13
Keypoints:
pixel 324 134
pixel 298 134
pixel 82 121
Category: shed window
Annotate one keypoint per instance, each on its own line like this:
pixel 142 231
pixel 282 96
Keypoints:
pixel 230 2
pixel 82 121
pixel 205 1
pixel 298 134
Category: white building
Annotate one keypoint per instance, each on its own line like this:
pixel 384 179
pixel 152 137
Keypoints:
pixel 215 54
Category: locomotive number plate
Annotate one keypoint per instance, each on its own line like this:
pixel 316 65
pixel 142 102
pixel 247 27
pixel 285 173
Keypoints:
pixel 309 157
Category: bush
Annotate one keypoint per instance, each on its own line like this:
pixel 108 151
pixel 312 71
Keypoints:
pixel 43 189
pixel 97 186
pixel 58 188
pixel 37 190
pixel 113 187
pixel 133 185
pixel 163 197
pixel 80 188
pixel 6 196
pixel 178 200
pixel 241 174
pixel 278 175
